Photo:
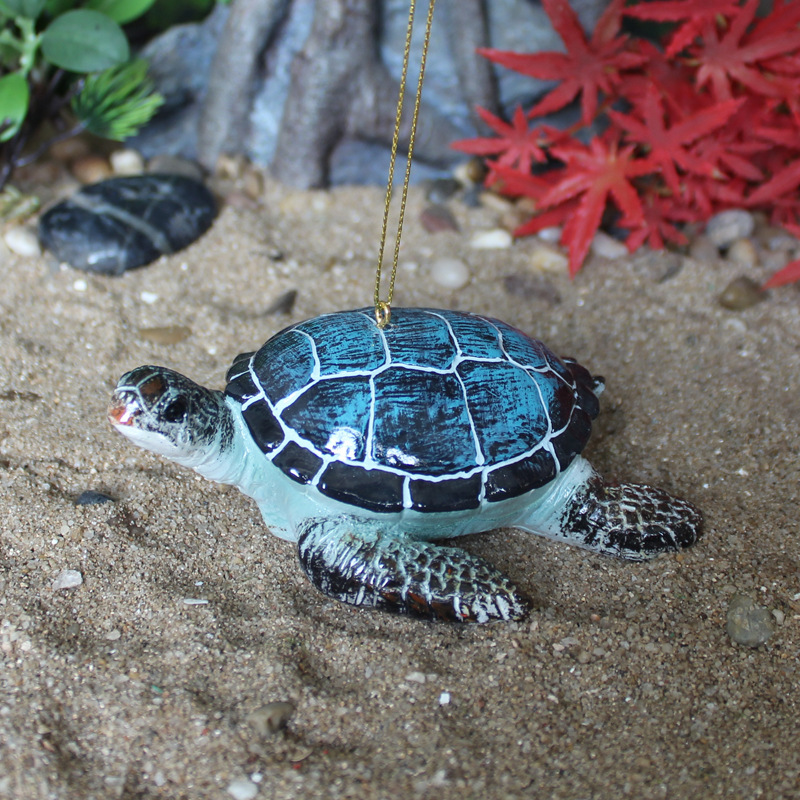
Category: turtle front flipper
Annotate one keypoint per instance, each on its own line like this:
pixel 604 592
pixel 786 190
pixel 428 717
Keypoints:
pixel 353 561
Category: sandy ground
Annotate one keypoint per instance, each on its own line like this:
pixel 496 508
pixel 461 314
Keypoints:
pixel 624 682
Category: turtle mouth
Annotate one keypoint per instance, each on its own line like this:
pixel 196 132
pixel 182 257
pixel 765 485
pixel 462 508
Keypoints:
pixel 120 412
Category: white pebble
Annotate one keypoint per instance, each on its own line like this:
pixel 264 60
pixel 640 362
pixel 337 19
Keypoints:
pixel 126 162
pixel 415 677
pixel 148 297
pixel 728 226
pixel 551 235
pixel 495 239
pixel 242 789
pixel 112 636
pixel 67 579
pixel 607 246
pixel 444 698
pixel 451 273
pixel 22 241
pixel 548 259
pixel 194 601
pixel 743 252
pixel 80 285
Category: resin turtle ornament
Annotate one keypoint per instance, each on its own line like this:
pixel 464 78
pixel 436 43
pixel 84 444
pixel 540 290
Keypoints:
pixel 368 446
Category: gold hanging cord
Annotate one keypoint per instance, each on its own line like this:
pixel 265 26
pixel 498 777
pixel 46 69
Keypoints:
pixel 383 310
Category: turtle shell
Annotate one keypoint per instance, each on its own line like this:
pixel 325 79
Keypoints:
pixel 440 411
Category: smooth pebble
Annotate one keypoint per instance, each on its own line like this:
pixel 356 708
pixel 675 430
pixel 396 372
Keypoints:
pixel 548 259
pixel 92 498
pixel 175 165
pixel 452 273
pixel 743 252
pixel 607 246
pixel 747 622
pixel 435 218
pixel 494 239
pixel 126 162
pixel 22 241
pixel 91 169
pixel 242 789
pixel 551 235
pixel 703 249
pixel 741 293
pixel 271 717
pixel 165 334
pixel 726 227
pixel 67 579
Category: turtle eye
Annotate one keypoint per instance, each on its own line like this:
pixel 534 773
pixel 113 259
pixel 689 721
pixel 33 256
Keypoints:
pixel 176 410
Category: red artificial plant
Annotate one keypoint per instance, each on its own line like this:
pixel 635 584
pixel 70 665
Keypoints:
pixel 707 121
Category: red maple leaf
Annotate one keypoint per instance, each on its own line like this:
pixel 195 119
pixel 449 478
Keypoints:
pixel 515 144
pixel 595 174
pixel 589 66
pixel 667 146
pixel 656 225
pixel 735 55
pixel 788 274
pixel 783 182
pixel 678 10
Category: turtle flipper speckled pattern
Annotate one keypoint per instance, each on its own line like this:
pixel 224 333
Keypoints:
pixel 630 521
pixel 352 561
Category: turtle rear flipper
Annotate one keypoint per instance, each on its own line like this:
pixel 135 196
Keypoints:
pixel 630 521
pixel 352 561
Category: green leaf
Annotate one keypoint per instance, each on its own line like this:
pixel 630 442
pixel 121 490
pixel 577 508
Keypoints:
pixel 84 41
pixel 115 103
pixel 121 11
pixel 14 96
pixel 23 8
pixel 55 8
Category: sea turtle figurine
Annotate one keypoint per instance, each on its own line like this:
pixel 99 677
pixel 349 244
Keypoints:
pixel 367 446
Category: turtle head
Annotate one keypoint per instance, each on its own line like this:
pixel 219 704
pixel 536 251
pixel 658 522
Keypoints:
pixel 165 412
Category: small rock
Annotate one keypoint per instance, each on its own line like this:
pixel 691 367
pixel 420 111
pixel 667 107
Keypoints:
pixel 548 259
pixel 607 246
pixel 67 579
pixel 703 249
pixel 92 498
pixel 242 789
pixel 552 235
pixel 471 172
pixel 126 162
pixel 175 165
pixel 530 287
pixel 747 622
pixel 741 293
pixel 451 273
pixel 253 182
pixel 166 334
pixel 743 252
pixel 282 304
pixel 271 718
pixel 123 223
pixel 91 169
pixel 22 241
pixel 436 218
pixel 726 227
pixel 444 699
pixel 442 189
pixel 494 239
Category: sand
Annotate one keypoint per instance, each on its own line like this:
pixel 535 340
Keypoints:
pixel 623 683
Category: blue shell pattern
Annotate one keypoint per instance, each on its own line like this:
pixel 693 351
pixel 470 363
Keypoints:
pixel 440 411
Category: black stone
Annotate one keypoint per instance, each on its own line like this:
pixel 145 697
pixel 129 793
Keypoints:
pixel 299 464
pixel 123 223
pixel 92 498
pixel 455 494
pixel 372 489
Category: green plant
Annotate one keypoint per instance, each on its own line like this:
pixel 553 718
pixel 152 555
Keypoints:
pixel 56 57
